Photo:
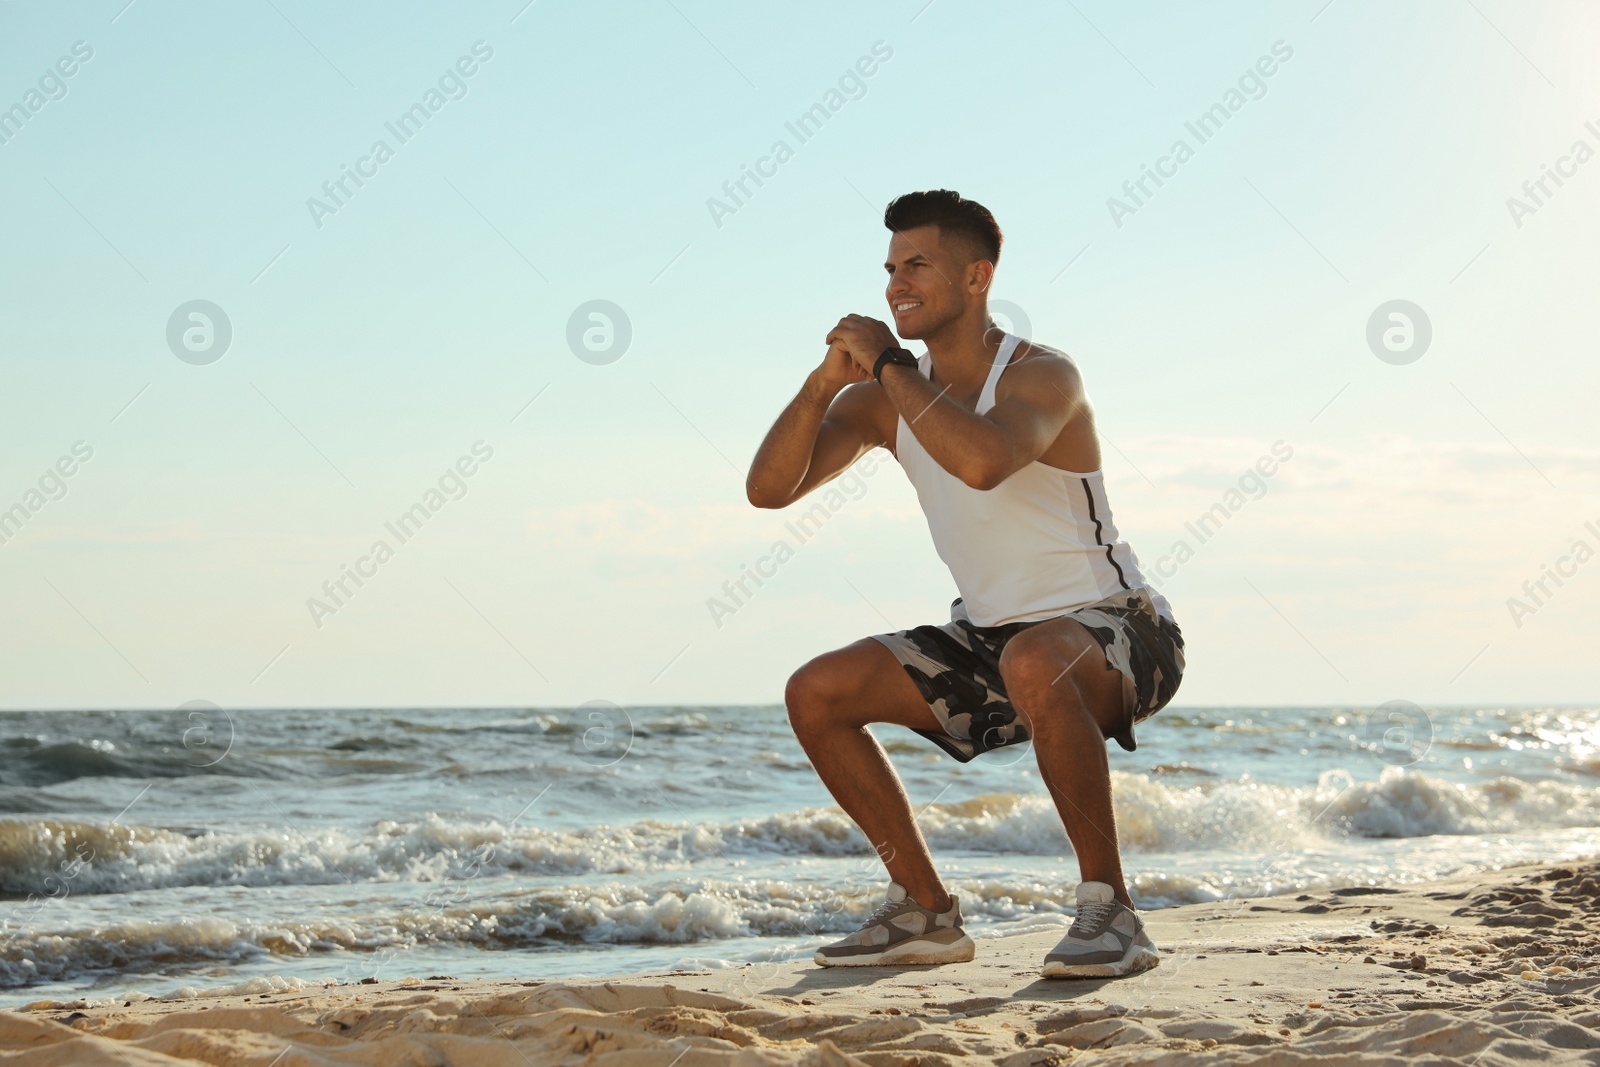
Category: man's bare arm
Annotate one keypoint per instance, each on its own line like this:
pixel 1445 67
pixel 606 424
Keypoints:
pixel 984 450
pixel 1042 393
pixel 824 429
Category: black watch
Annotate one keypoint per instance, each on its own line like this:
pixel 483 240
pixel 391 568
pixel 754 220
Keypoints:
pixel 893 354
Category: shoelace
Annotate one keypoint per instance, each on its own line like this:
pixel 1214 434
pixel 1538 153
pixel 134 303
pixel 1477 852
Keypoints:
pixel 886 909
pixel 1090 916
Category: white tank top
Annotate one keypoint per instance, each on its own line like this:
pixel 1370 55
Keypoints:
pixel 1039 544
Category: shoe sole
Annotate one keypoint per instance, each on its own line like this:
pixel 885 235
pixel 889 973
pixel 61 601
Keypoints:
pixel 906 954
pixel 1139 958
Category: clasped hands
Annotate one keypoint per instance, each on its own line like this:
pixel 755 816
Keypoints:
pixel 854 346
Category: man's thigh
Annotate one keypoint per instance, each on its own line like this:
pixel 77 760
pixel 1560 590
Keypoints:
pixel 862 683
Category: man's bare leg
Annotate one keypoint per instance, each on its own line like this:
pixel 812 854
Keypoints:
pixel 831 700
pixel 1056 676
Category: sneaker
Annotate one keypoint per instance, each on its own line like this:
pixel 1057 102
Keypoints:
pixel 1107 940
pixel 902 931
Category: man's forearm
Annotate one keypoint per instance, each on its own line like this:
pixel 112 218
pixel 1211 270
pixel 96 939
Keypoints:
pixel 784 458
pixel 964 443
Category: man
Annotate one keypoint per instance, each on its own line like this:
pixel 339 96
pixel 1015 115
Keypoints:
pixel 1055 637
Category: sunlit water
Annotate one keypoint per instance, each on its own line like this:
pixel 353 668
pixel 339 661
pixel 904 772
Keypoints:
pixel 149 852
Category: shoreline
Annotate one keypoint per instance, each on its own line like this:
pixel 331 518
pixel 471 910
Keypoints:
pixel 1495 967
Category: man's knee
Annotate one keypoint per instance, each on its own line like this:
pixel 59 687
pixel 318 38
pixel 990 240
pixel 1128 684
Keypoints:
pixel 1027 665
pixel 1040 674
pixel 816 692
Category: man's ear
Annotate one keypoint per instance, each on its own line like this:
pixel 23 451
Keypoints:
pixel 980 275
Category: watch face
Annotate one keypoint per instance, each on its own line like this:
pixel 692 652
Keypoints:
pixel 894 356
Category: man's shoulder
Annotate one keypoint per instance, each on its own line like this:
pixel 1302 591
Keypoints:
pixel 1029 351
pixel 1041 364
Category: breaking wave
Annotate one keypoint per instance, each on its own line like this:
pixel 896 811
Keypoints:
pixel 46 856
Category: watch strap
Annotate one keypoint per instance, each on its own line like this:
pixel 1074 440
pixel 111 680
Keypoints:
pixel 892 354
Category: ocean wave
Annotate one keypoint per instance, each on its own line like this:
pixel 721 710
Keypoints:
pixel 613 914
pixel 31 762
pixel 15 801
pixel 570 721
pixel 1156 815
pixel 1153 815
pixel 354 938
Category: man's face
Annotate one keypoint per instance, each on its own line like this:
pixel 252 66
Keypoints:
pixel 930 281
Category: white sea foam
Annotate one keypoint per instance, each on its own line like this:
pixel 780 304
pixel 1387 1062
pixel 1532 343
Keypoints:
pixel 49 857
pixel 609 913
pixel 358 937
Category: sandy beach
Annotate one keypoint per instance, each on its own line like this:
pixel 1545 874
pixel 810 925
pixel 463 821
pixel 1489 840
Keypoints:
pixel 1489 969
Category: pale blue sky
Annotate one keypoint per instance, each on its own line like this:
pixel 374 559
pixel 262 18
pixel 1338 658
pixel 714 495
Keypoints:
pixel 372 352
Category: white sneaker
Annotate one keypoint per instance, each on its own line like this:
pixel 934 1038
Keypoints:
pixel 1107 940
pixel 902 932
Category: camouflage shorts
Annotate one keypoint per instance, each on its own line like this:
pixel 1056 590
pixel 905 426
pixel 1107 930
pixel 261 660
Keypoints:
pixel 957 669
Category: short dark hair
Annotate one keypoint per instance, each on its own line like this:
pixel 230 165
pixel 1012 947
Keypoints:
pixel 952 213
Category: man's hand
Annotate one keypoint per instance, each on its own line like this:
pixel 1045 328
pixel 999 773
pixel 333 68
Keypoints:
pixel 838 369
pixel 865 339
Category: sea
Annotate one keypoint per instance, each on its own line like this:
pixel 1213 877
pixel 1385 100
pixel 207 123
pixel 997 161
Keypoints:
pixel 203 850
